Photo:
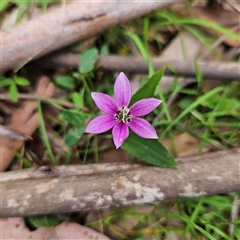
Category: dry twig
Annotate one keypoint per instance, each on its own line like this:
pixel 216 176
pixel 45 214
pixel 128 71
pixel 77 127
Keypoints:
pixel 214 70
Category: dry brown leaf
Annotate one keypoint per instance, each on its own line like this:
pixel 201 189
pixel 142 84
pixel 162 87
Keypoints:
pixel 15 228
pixel 13 135
pixel 184 145
pixel 112 155
pixel 24 120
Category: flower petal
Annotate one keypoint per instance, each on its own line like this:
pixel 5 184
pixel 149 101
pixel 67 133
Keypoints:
pixel 142 128
pixel 120 132
pixel 122 90
pixel 104 102
pixel 100 124
pixel 144 106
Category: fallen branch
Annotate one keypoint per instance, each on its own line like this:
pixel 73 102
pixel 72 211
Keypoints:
pixel 76 188
pixel 65 25
pixel 213 70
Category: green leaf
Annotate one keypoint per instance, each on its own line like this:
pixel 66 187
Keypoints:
pixel 21 81
pixel 13 92
pixel 3 4
pixel 73 136
pixel 149 150
pixel 227 105
pixel 189 91
pixel 88 60
pixel 49 221
pixel 65 82
pixel 185 102
pixel 6 82
pixel 73 118
pixel 104 49
pixel 78 99
pixel 211 101
pixel 148 89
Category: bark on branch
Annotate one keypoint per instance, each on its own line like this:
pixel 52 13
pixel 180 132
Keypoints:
pixel 65 25
pixel 213 70
pixel 76 188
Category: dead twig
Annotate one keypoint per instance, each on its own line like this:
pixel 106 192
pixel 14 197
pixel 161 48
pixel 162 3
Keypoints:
pixel 78 188
pixel 213 70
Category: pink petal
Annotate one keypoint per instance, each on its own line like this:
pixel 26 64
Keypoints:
pixel 120 133
pixel 122 90
pixel 142 128
pixel 104 102
pixel 144 106
pixel 100 124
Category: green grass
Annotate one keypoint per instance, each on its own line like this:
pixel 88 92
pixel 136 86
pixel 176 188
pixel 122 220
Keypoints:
pixel 199 218
pixel 215 114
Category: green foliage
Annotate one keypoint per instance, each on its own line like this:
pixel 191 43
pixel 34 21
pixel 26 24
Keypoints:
pixel 148 150
pixel 13 92
pixel 6 82
pixel 142 46
pixel 148 90
pixel 170 18
pixel 215 115
pixel 189 91
pixel 44 135
pixel 185 102
pixel 21 81
pixel 78 99
pixel 3 4
pixel 73 118
pixel 25 6
pixel 12 83
pixel 44 3
pixel 48 221
pixel 201 36
pixel 198 218
pixel 77 120
pixel 65 82
pixel 73 136
pixel 222 104
pixel 104 50
pixel 139 43
pixel 88 60
pixel 193 105
pixel 25 162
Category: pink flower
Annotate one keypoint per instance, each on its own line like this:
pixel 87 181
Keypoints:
pixel 119 116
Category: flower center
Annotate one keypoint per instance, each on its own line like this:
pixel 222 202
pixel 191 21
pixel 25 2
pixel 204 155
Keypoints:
pixel 123 115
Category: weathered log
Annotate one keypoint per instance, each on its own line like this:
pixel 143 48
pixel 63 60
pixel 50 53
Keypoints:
pixel 76 188
pixel 65 25
pixel 209 70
